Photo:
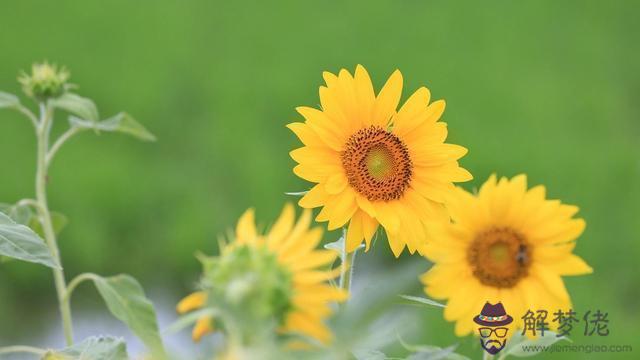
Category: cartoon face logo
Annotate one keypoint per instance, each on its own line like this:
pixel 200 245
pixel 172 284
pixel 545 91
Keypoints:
pixel 492 330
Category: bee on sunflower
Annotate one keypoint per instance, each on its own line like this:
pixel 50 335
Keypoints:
pixel 507 244
pixel 266 286
pixel 373 164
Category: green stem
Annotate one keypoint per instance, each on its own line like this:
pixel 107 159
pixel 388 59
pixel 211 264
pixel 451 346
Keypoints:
pixel 73 284
pixel 346 273
pixel 22 349
pixel 43 131
pixel 486 355
pixel 348 277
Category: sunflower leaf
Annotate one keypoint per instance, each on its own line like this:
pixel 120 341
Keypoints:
pixel 75 104
pixel 126 300
pixel 94 348
pixel 8 100
pixel 19 213
pixel 521 346
pixel 20 242
pixel 369 355
pixel 422 300
pixel 58 220
pixel 121 122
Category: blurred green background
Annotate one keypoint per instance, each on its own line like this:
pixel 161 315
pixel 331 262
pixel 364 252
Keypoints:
pixel 543 87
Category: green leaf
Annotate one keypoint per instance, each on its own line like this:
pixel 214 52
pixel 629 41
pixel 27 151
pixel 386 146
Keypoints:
pixel 369 355
pixel 126 300
pixel 422 300
pixel 8 100
pixel 122 122
pixel 77 105
pixel 58 220
pixel 437 353
pixel 431 352
pixel 93 348
pixel 21 214
pixel 518 343
pixel 20 242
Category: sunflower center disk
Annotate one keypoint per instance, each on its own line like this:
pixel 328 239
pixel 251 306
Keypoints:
pixel 500 257
pixel 377 164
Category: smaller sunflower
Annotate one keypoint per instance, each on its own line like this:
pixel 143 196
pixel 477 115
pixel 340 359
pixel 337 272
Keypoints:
pixel 268 284
pixel 506 244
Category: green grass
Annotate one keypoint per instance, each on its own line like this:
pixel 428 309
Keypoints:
pixel 542 87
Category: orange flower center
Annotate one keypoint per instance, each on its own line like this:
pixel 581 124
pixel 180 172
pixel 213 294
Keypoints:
pixel 377 164
pixel 499 257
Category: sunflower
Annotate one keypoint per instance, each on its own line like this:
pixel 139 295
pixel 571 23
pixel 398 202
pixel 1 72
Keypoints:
pixel 373 165
pixel 275 282
pixel 506 244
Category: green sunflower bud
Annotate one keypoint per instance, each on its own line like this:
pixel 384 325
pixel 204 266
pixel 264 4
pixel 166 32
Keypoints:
pixel 249 286
pixel 45 81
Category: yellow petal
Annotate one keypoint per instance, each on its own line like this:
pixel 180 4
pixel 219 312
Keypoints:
pixel 320 293
pixel 369 228
pixel 296 249
pixel 362 226
pixel 282 227
pixel 316 276
pixel 338 209
pixel 387 101
pixel 412 113
pixel 364 93
pixel 431 155
pixel 354 232
pixel 336 183
pixel 327 129
pixel 313 260
pixel 192 302
pixel 307 325
pixel 551 281
pixel 366 205
pixel 306 134
pixel 387 216
pixel 246 228
pixel 570 265
pixel 203 326
pixel 317 196
pixel 395 243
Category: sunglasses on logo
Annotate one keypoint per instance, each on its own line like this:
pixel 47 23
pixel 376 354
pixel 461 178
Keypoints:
pixel 485 332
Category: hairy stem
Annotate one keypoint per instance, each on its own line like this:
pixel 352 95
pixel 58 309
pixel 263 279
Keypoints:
pixel 43 131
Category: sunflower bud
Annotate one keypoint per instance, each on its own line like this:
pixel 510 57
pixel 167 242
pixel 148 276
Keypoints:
pixel 45 81
pixel 249 285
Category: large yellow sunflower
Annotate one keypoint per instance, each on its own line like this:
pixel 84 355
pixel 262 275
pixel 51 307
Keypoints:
pixel 273 280
pixel 506 244
pixel 374 164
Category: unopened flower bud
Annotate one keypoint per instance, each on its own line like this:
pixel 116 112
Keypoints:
pixel 45 81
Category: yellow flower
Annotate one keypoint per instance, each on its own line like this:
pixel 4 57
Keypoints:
pixel 506 244
pixel 375 165
pixel 275 279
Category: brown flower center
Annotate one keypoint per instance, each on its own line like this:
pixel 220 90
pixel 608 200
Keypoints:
pixel 500 257
pixel 377 164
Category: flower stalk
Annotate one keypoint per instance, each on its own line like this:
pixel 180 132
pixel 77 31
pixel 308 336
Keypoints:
pixel 43 131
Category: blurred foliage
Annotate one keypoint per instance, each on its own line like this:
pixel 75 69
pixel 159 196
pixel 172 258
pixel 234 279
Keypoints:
pixel 542 87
